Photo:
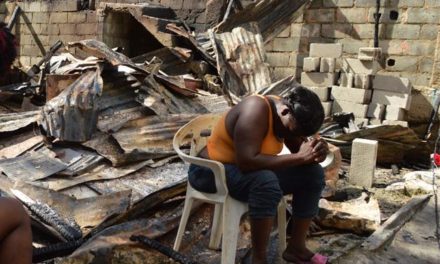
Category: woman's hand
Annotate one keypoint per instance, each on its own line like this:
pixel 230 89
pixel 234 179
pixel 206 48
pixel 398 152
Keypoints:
pixel 320 150
pixel 307 151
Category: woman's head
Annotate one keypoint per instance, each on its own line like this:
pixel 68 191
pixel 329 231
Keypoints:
pixel 306 109
pixel 8 52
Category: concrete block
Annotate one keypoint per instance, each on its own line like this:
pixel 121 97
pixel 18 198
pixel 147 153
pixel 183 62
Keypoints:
pixel 346 80
pixel 76 17
pixel 402 63
pixel 376 111
pixel 327 108
pixel 317 79
pixel 362 81
pixel 390 98
pixel 375 121
pixel 395 123
pixel 328 50
pixel 327 65
pixel 392 84
pixel 277 59
pixel 363 162
pixel 369 54
pixel 319 15
pixel 336 30
pixel 398 31
pixel 358 66
pixel 322 92
pixel 393 113
pixel 354 95
pixel 359 110
pixel 286 44
pixel 360 122
pixel 311 64
pixel 65 5
pixel 338 3
pixel 423 16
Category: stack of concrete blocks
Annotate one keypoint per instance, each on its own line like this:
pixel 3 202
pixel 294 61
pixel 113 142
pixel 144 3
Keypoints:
pixel 391 100
pixel 354 92
pixel 319 71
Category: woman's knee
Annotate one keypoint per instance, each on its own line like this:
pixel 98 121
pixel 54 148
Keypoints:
pixel 267 180
pixel 264 195
pixel 316 177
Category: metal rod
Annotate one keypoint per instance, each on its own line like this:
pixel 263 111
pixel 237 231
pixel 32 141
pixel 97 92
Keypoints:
pixel 377 16
pixel 13 18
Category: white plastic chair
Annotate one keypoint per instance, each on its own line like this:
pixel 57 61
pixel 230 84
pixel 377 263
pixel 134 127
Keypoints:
pixel 228 211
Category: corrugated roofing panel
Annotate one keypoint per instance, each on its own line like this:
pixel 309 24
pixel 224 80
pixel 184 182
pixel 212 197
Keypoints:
pixel 15 121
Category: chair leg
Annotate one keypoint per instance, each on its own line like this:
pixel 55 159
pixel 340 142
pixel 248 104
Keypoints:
pixel 232 212
pixel 282 226
pixel 216 230
pixel 183 221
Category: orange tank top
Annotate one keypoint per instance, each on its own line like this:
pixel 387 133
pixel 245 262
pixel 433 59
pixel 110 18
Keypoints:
pixel 221 147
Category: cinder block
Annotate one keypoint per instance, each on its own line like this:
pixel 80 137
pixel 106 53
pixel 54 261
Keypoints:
pixel 322 92
pixel 395 123
pixel 358 110
pixel 375 121
pixel 390 98
pixel 392 84
pixel 393 113
pixel 362 81
pixel 317 79
pixel 311 64
pixel 328 50
pixel 327 108
pixel 327 65
pixel 360 122
pixel 369 54
pixel 358 66
pixel 376 111
pixel 346 80
pixel 354 95
pixel 363 162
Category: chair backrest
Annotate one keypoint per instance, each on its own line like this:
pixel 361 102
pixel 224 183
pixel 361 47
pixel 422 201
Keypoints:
pixel 195 133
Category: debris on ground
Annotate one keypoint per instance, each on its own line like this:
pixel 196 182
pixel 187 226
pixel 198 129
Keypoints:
pixel 86 141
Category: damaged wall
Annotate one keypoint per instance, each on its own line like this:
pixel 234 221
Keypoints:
pixel 408 34
pixel 408 30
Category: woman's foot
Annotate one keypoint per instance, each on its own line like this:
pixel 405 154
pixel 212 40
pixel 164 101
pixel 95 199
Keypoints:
pixel 302 259
pixel 293 254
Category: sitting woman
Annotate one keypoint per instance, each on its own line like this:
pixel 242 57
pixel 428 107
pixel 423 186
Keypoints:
pixel 15 233
pixel 247 140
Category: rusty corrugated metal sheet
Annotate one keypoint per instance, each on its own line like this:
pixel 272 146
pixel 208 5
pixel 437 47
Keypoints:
pixel 73 114
pixel 272 16
pixel 100 50
pixel 31 166
pixel 145 181
pixel 15 121
pixel 241 60
pixel 281 87
pixel 151 135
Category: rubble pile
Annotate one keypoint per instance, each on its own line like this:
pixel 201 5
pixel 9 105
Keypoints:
pixel 86 135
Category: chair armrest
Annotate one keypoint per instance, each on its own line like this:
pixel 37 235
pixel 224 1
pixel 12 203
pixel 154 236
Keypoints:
pixel 217 168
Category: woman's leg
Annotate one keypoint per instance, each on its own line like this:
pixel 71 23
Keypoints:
pixel 306 184
pixel 260 189
pixel 15 233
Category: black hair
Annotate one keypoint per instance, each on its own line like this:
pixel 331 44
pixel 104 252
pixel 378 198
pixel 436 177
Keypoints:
pixel 8 51
pixel 306 108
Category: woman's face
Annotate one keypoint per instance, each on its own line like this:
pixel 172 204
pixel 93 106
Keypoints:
pixel 289 122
